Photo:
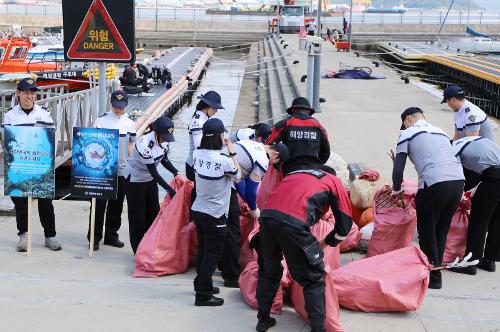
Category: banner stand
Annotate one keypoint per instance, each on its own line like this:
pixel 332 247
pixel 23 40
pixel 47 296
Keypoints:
pixel 30 217
pixel 92 226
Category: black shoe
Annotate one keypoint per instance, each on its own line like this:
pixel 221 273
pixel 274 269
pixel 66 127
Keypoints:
pixel 317 325
pixel 215 290
pixel 435 285
pixel 470 270
pixel 265 323
pixel 435 280
pixel 96 246
pixel 487 265
pixel 211 302
pixel 231 284
pixel 114 242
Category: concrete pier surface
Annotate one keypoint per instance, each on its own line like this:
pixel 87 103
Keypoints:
pixel 67 291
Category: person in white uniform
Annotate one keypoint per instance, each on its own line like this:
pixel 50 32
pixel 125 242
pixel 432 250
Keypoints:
pixel 27 113
pixel 143 178
pixel 209 104
pixel 113 208
pixel 259 132
pixel 215 173
pixel 253 158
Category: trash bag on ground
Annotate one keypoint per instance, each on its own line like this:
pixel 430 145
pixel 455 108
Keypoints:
pixel 394 281
pixel 352 240
pixel 164 249
pixel 320 230
pixel 394 223
pixel 362 191
pixel 331 303
pixel 457 235
pixel 248 288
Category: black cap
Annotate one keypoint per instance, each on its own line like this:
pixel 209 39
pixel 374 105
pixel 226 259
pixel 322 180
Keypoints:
pixel 212 99
pixel 165 127
pixel 452 91
pixel 284 154
pixel 409 111
pixel 300 103
pixel 263 130
pixel 119 99
pixel 212 127
pixel 27 84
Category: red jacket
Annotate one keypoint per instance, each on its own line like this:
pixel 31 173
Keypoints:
pixel 306 139
pixel 305 196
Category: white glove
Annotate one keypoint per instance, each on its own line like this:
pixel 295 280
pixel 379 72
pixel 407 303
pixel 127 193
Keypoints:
pixel 255 213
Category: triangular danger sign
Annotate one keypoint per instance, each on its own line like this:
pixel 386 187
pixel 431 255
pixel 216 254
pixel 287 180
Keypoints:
pixel 98 38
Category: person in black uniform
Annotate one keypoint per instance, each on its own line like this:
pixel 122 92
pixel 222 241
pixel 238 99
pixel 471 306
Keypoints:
pixel 130 76
pixel 305 137
pixel 143 178
pixel 481 156
pixel 284 230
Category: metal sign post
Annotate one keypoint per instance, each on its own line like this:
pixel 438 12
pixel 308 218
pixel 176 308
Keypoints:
pixel 92 226
pixel 313 71
pixel 30 226
pixel 350 27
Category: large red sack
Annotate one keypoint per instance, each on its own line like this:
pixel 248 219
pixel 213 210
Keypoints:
pixel 395 281
pixel 457 235
pixel 352 240
pixel 394 226
pixel 164 249
pixel 332 304
pixel 248 287
pixel 320 230
pixel 270 180
pixel 247 225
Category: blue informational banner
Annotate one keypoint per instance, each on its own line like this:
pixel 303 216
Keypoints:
pixel 94 172
pixel 29 161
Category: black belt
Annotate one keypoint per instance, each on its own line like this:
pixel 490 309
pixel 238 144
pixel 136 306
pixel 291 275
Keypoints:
pixel 491 173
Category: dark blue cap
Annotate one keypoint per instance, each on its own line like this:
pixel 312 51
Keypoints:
pixel 212 99
pixel 27 84
pixel 263 130
pixel 452 91
pixel 409 111
pixel 284 154
pixel 119 99
pixel 165 127
pixel 212 127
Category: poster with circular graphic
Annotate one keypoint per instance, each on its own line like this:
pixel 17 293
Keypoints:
pixel 94 170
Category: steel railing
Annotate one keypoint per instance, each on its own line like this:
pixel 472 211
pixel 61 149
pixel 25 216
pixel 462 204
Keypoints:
pixel 68 110
pixel 201 14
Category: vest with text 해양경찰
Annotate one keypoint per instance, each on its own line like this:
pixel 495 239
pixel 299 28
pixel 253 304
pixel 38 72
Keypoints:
pixel 306 139
pixel 303 197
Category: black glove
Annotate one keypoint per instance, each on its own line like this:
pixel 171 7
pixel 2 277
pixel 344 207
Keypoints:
pixel 334 242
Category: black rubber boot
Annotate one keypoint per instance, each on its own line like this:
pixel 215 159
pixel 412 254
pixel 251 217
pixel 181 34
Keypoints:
pixel 317 325
pixel 265 323
pixel 435 282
